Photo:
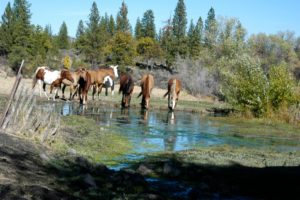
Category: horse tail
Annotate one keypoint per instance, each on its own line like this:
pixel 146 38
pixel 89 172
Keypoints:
pixel 34 79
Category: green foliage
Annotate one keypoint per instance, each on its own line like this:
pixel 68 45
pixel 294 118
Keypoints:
pixel 245 85
pixel 195 38
pixel 281 86
pixel 211 28
pixel 121 49
pixel 179 20
pixel 148 26
pixel 123 24
pixel 148 48
pixel 62 38
pixel 138 29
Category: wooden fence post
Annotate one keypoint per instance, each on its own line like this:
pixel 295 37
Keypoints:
pixel 12 94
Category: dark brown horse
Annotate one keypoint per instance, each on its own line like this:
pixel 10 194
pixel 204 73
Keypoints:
pixel 84 84
pixel 43 75
pixel 126 87
pixel 174 87
pixel 147 84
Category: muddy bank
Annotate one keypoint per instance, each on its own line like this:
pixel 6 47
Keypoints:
pixel 219 174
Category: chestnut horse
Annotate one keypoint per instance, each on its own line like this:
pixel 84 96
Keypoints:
pixel 43 75
pixel 73 86
pixel 147 84
pixel 97 77
pixel 174 87
pixel 84 83
pixel 126 87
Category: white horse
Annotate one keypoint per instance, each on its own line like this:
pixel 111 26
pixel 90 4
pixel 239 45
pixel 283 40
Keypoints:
pixel 44 76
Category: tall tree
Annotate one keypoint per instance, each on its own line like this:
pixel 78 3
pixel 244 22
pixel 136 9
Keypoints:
pixel 138 29
pixel 148 25
pixel 123 24
pixel 6 39
pixel 111 25
pixel 210 29
pixel 179 20
pixel 80 29
pixel 94 40
pixel 62 38
pixel 22 33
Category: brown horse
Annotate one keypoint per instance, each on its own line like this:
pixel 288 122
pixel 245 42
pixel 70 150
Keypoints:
pixel 147 84
pixel 97 77
pixel 73 86
pixel 84 83
pixel 43 75
pixel 126 87
pixel 174 87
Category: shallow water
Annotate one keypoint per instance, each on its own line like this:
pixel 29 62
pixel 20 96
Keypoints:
pixel 155 130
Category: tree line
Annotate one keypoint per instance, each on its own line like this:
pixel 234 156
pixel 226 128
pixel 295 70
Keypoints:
pixel 255 74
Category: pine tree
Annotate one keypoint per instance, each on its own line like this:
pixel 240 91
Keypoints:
pixel 111 26
pixel 148 26
pixel 179 20
pixel 94 41
pixel 194 37
pixel 210 29
pixel 180 45
pixel 62 38
pixel 6 39
pixel 138 29
pixel 123 24
pixel 80 29
pixel 21 35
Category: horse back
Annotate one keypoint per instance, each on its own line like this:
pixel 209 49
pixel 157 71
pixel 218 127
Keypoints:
pixel 126 84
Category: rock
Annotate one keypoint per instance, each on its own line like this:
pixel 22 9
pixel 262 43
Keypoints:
pixel 144 170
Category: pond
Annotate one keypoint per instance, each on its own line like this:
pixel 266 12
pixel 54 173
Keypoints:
pixel 156 130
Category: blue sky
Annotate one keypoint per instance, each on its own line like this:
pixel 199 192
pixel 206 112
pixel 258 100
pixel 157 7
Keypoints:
pixel 257 16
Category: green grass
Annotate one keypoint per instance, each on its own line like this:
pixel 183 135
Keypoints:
pixel 90 140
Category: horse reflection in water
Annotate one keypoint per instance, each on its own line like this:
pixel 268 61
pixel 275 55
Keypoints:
pixel 144 117
pixel 170 137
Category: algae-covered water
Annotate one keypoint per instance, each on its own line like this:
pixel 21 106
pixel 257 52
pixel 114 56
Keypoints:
pixel 157 130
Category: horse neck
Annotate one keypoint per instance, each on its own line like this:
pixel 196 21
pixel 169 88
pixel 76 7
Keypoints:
pixel 146 90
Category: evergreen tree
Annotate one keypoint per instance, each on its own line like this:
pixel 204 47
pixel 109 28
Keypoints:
pixel 94 41
pixel 21 35
pixel 138 29
pixel 62 38
pixel 148 26
pixel 210 29
pixel 179 20
pixel 111 25
pixel 80 29
pixel 6 39
pixel 179 29
pixel 123 24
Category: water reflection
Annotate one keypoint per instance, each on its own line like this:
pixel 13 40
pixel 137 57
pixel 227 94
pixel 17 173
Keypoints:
pixel 165 131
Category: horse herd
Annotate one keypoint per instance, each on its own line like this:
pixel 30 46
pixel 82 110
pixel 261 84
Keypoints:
pixel 81 80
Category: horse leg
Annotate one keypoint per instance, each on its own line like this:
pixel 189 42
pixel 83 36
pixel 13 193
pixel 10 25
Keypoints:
pixel 63 91
pixel 106 91
pixel 44 89
pixel 100 90
pixel 113 89
pixel 94 91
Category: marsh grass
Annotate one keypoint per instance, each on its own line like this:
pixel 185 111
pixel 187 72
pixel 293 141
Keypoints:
pixel 85 138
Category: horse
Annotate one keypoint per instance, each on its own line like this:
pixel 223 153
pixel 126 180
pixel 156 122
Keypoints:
pixel 73 86
pixel 108 82
pixel 43 75
pixel 97 77
pixel 147 84
pixel 84 83
pixel 126 87
pixel 174 87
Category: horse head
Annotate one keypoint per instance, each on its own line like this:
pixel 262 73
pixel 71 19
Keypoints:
pixel 173 93
pixel 115 69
